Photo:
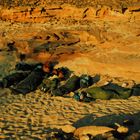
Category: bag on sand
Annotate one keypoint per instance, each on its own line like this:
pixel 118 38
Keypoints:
pixel 14 78
pixel 72 84
pixel 27 66
pixel 49 85
pixel 99 93
pixel 123 93
pixel 31 82
pixel 85 81
pixel 108 92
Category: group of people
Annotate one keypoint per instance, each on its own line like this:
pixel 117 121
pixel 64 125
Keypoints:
pixel 59 82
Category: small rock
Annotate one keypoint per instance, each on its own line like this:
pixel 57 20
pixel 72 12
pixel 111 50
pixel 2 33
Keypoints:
pixel 92 130
pixel 71 94
pixel 124 85
pixel 68 128
pixel 106 83
pixel 85 137
pixel 121 129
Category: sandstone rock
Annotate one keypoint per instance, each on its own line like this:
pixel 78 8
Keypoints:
pixel 71 94
pixel 68 128
pixel 103 11
pixel 92 130
pixel 85 137
pixel 121 129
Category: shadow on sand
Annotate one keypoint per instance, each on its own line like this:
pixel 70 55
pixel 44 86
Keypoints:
pixel 110 120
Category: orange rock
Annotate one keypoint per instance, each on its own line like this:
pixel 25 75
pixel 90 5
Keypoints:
pixel 92 130
pixel 68 128
pixel 103 11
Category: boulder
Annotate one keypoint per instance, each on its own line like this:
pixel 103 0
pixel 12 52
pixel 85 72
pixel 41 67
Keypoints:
pixel 92 130
pixel 68 128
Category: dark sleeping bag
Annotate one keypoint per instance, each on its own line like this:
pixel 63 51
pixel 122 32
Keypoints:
pixel 14 78
pixel 72 84
pixel 31 82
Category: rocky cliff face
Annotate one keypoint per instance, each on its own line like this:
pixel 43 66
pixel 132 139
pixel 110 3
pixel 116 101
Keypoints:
pixel 86 36
pixel 44 11
pixel 73 2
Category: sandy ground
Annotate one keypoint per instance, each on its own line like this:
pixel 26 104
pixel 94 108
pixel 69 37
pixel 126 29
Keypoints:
pixel 32 116
pixel 107 45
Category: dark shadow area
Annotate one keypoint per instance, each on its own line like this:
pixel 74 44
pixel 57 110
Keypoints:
pixel 133 125
pixel 136 90
pixel 58 134
pixel 133 121
pixel 85 121
pixel 96 78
